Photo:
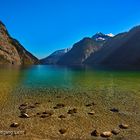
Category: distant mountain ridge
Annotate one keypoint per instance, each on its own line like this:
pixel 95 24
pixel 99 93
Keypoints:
pixel 105 49
pixel 12 52
pixel 54 57
pixel 83 49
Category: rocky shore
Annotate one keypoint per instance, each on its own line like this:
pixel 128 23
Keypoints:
pixel 66 117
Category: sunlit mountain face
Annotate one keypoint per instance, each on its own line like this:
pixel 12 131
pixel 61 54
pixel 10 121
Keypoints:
pixel 12 52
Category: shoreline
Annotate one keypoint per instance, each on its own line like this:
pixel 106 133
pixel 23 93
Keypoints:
pixel 79 125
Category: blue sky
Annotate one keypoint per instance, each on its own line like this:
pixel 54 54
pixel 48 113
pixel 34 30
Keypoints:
pixel 43 26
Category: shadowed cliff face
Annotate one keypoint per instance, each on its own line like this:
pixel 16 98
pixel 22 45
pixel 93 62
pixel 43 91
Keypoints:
pixel 123 49
pixel 81 51
pixel 12 52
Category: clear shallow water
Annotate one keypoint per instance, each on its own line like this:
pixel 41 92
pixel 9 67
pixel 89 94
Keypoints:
pixel 35 80
pixel 78 87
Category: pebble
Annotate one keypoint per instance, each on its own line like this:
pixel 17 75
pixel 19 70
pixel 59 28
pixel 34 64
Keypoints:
pixel 24 115
pixel 25 104
pixel 114 110
pixel 48 113
pixel 62 131
pixel 72 111
pixel 62 117
pixel 91 113
pixel 43 116
pixel 123 126
pixel 106 134
pixel 95 133
pixel 38 113
pixel 115 131
pixel 59 106
pixel 37 103
pixel 44 112
pixel 14 124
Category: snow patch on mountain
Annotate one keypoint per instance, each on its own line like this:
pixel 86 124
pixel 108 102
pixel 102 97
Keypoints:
pixel 110 34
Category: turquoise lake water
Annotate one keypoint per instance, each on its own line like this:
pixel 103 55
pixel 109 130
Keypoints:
pixel 34 79
pixel 42 76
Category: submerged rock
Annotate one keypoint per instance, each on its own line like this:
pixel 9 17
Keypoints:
pixel 123 126
pixel 62 131
pixel 38 113
pixel 48 113
pixel 114 110
pixel 37 103
pixel 43 116
pixel 14 124
pixel 62 116
pixel 60 105
pixel 115 131
pixel 95 133
pixel 72 111
pixel 91 113
pixel 24 115
pixel 26 106
pixel 106 134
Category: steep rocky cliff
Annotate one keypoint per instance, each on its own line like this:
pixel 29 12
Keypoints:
pixel 12 52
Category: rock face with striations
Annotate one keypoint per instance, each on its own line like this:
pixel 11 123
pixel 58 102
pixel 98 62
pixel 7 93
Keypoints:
pixel 123 49
pixel 83 49
pixel 12 52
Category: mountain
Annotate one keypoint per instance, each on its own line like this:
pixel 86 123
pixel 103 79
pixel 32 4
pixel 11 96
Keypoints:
pixel 54 57
pixel 12 52
pixel 123 49
pixel 83 49
pixel 102 37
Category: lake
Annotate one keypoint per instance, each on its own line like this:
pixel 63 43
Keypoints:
pixel 75 87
